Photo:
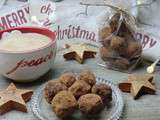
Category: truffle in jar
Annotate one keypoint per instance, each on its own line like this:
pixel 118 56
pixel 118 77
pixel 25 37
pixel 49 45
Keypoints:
pixel 105 35
pixel 118 44
pixel 114 22
pixel 122 63
pixel 107 54
pixel 134 48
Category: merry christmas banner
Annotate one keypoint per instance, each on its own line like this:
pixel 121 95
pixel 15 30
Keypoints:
pixel 21 14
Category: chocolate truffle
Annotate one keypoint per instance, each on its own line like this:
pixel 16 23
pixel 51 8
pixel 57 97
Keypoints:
pixel 106 42
pixel 134 48
pixel 105 35
pixel 123 30
pixel 52 88
pixel 107 53
pixel 114 22
pixel 64 104
pixel 122 63
pixel 118 44
pixel 88 77
pixel 67 79
pixel 104 91
pixel 90 104
pixel 80 88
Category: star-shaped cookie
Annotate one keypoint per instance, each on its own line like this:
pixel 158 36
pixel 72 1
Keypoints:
pixel 138 85
pixel 14 99
pixel 79 52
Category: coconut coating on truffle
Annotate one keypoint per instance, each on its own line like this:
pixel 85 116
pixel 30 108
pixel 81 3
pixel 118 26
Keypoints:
pixel 80 88
pixel 104 91
pixel 52 88
pixel 67 79
pixel 64 104
pixel 88 77
pixel 90 104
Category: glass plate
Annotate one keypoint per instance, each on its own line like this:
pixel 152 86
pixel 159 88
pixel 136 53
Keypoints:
pixel 43 111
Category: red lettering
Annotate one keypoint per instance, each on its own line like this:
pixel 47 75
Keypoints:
pixel 64 33
pixel 25 63
pixel 46 9
pixel 145 41
pixel 152 43
pixel 47 23
pixel 58 33
pixel 92 36
pixel 139 36
pixel 31 63
pixel 15 68
pixel 26 10
pixel 43 9
pixel 48 57
pixel 84 34
pixel 75 32
pixel 3 23
pixel 15 19
pixel 22 16
pixel 49 10
pixel 39 61
pixel 9 21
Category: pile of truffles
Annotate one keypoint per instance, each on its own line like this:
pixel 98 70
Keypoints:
pixel 119 48
pixel 70 93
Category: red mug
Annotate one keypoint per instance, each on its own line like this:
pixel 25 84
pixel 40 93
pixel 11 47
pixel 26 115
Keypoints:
pixel 29 65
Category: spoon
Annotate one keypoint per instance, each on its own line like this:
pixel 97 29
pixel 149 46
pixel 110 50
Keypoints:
pixel 151 68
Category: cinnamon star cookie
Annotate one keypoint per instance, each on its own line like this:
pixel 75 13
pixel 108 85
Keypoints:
pixel 138 85
pixel 79 52
pixel 14 99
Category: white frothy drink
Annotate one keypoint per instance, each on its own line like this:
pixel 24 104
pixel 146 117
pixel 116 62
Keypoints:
pixel 17 41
